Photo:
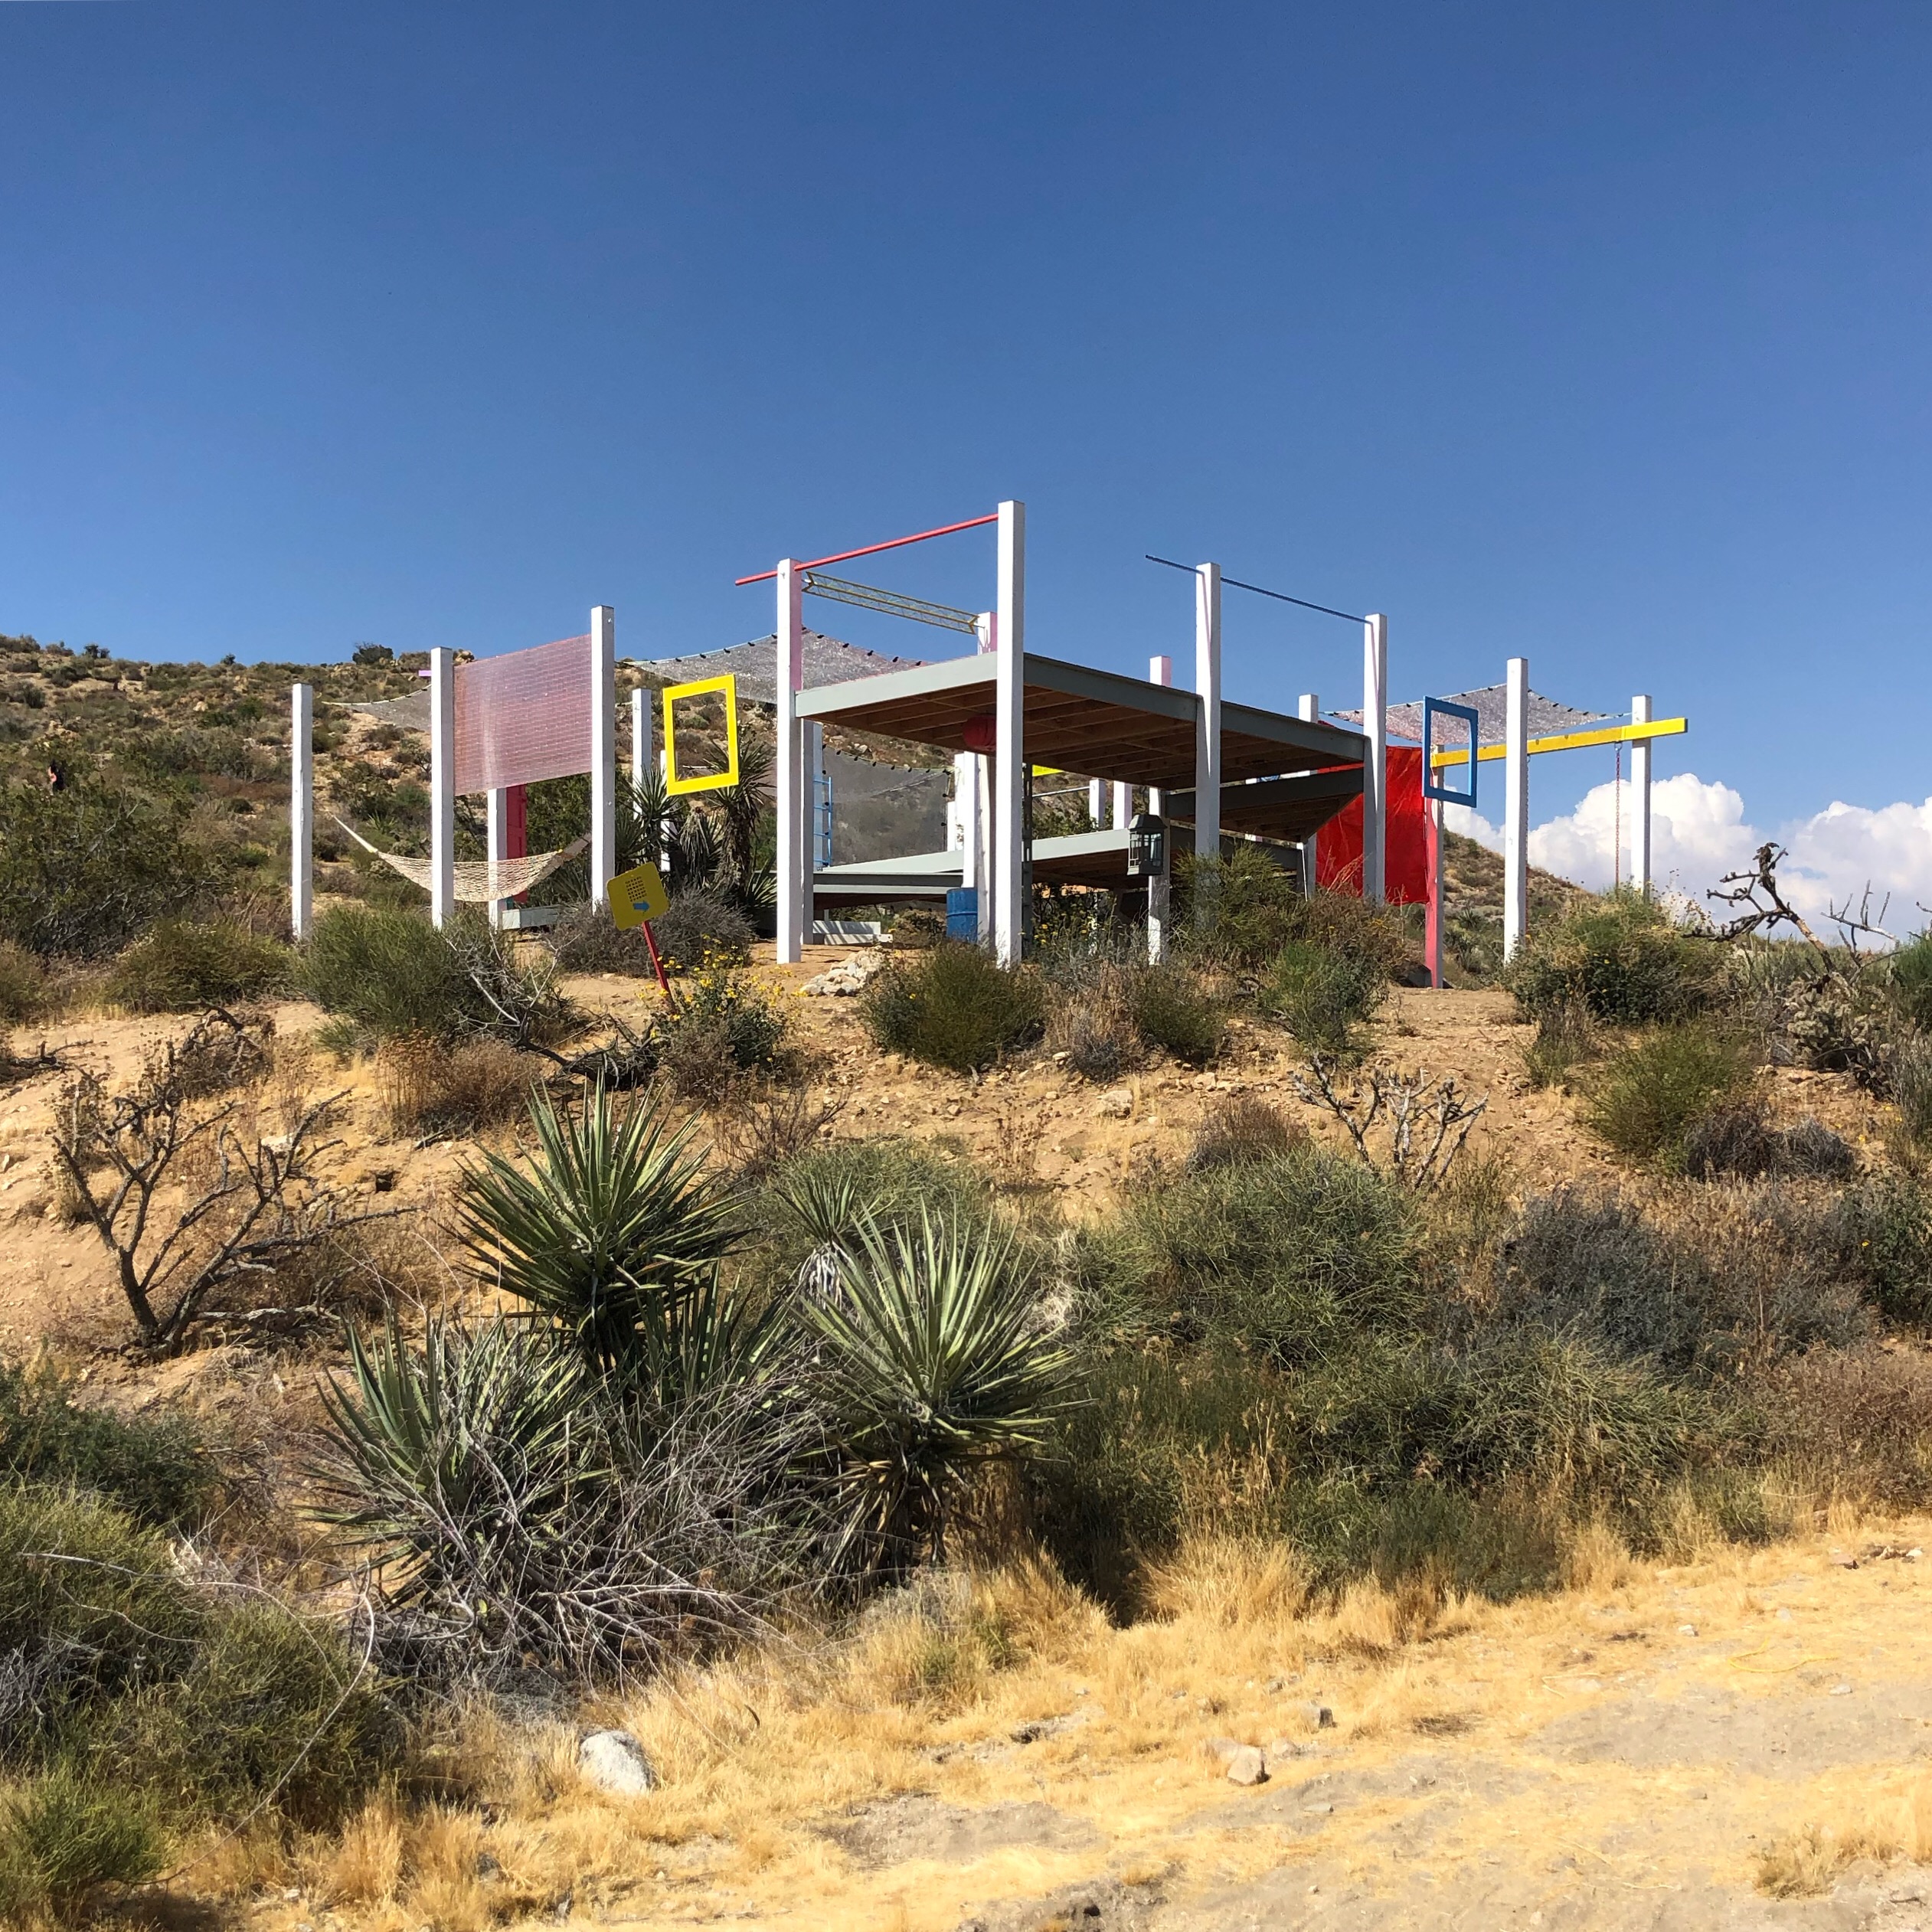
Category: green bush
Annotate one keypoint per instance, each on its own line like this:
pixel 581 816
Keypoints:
pixel 1172 1007
pixel 1911 968
pixel 703 929
pixel 82 869
pixel 1648 1096
pixel 63 1836
pixel 1255 909
pixel 952 1006
pixel 719 1024
pixel 179 966
pixel 391 973
pixel 1288 1255
pixel 1563 1043
pixel 1323 997
pixel 1883 1229
pixel 153 1466
pixel 1620 958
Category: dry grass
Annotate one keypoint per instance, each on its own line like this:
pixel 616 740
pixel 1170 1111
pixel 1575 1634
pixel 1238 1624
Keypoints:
pixel 429 1089
pixel 1883 1821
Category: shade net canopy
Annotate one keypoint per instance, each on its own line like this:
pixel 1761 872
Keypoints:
pixel 1548 718
pixel 827 660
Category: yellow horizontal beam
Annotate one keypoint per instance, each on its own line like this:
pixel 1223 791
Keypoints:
pixel 1662 728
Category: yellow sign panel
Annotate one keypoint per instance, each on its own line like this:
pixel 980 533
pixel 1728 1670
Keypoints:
pixel 637 895
pixel 699 702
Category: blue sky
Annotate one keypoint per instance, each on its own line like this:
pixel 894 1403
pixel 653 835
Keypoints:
pixel 1596 333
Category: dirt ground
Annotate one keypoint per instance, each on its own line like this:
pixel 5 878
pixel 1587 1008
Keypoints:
pixel 1619 1756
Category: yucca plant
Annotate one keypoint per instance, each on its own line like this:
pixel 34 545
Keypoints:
pixel 442 1458
pixel 934 1362
pixel 613 1234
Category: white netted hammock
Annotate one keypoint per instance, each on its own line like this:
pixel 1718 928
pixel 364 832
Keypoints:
pixel 479 880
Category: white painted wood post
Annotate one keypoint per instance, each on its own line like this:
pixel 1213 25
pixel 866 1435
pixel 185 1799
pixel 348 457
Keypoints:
pixel 1207 731
pixel 788 678
pixel 1516 809
pixel 603 752
pixel 1375 776
pixel 442 786
pixel 981 832
pixel 641 736
pixel 1095 801
pixel 964 813
pixel 1160 671
pixel 1640 799
pixel 496 815
pixel 1311 713
pixel 1433 943
pixel 1123 805
pixel 302 810
pixel 1009 741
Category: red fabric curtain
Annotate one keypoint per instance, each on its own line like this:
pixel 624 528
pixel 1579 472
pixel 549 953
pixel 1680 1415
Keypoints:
pixel 1338 849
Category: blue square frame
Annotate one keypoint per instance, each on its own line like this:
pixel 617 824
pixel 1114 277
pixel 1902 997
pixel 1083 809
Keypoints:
pixel 1432 709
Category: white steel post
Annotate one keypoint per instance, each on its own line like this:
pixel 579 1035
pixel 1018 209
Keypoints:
pixel 640 737
pixel 1207 729
pixel 817 822
pixel 1160 671
pixel 1009 741
pixel 442 786
pixel 1640 799
pixel 1311 711
pixel 603 752
pixel 1516 809
pixel 496 815
pixel 980 830
pixel 1123 805
pixel 302 810
pixel 1375 776
pixel 788 676
pixel 966 816
pixel 1095 801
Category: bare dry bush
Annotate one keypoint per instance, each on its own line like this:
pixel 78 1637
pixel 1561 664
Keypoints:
pixel 1421 1123
pixel 1243 1128
pixel 760 1129
pixel 430 1091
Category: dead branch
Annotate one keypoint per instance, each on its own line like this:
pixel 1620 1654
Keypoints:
pixel 183 1201
pixel 1425 1121
pixel 1763 906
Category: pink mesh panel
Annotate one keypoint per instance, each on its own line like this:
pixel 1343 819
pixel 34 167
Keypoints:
pixel 524 716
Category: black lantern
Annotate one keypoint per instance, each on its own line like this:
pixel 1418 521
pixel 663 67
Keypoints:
pixel 1146 846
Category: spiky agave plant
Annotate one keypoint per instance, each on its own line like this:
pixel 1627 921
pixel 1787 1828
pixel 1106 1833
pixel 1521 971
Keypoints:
pixel 935 1362
pixel 613 1234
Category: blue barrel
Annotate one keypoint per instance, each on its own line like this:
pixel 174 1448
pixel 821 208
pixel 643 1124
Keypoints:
pixel 962 914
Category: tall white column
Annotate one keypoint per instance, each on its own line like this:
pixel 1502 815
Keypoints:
pixel 1374 777
pixel 966 815
pixel 1160 671
pixel 442 786
pixel 496 814
pixel 1516 809
pixel 641 739
pixel 1095 801
pixel 1123 805
pixel 1009 741
pixel 1311 711
pixel 981 826
pixel 1207 727
pixel 1640 799
pixel 302 810
pixel 788 676
pixel 603 752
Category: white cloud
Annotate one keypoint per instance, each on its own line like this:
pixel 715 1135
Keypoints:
pixel 1699 831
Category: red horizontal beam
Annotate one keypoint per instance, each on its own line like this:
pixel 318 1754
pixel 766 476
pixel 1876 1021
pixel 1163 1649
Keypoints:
pixel 897 542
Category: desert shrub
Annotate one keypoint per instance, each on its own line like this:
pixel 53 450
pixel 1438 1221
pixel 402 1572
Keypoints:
pixel 153 1466
pixel 63 1837
pixel 178 966
pixel 26 993
pixel 1090 1018
pixel 1241 1129
pixel 587 939
pixel 429 1089
pixel 917 927
pixel 266 1691
pixel 1323 997
pixel 1621 958
pixel 1856 1421
pixel 392 973
pixel 703 929
pixel 1647 1096
pixel 82 869
pixel 1288 1256
pixel 1834 1011
pixel 1173 1007
pixel 1883 1229
pixel 1737 1141
pixel 952 1006
pixel 1909 969
pixel 1562 1044
pixel 717 1026
pixel 1909 1066
pixel 1256 909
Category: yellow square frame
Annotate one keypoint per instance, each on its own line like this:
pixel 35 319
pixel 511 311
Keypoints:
pixel 712 781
